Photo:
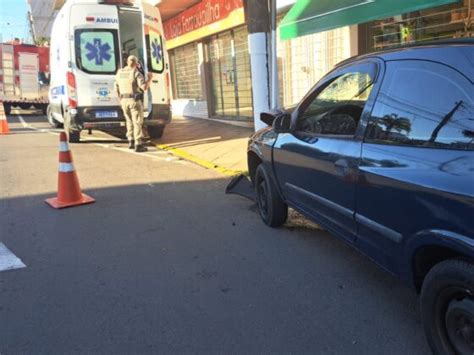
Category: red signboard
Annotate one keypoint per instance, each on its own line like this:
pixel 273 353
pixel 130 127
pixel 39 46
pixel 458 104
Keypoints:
pixel 200 15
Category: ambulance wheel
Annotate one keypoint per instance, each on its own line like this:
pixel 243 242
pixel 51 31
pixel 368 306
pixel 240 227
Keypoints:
pixel 52 121
pixel 156 131
pixel 74 136
pixel 7 108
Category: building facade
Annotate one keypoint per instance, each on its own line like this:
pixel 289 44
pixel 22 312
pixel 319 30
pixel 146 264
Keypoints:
pixel 210 60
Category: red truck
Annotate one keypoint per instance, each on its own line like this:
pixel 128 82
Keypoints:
pixel 24 76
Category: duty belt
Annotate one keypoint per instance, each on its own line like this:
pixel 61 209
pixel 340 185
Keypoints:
pixel 129 96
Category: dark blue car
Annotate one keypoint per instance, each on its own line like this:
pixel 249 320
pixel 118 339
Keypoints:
pixel 381 153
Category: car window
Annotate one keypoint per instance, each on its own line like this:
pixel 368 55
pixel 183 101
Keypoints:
pixel 96 51
pixel 423 104
pixel 337 108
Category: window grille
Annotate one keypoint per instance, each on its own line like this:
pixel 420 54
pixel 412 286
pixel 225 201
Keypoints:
pixel 186 73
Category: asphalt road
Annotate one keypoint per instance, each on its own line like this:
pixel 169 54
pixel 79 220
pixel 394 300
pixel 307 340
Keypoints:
pixel 165 262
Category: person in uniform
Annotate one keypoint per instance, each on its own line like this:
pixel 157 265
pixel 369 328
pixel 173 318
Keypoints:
pixel 128 83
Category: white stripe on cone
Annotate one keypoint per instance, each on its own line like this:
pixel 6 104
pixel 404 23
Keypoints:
pixel 66 167
pixel 63 147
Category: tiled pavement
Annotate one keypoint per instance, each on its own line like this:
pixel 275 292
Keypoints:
pixel 208 143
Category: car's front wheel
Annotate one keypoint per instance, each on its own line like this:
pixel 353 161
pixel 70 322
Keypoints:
pixel 273 210
pixel 447 307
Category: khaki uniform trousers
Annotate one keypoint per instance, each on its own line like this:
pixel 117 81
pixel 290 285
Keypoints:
pixel 133 111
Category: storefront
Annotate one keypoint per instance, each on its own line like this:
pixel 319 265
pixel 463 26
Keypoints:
pixel 210 61
pixel 442 22
pixel 382 24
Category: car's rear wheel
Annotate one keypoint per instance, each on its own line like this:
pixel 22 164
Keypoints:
pixel 273 210
pixel 447 307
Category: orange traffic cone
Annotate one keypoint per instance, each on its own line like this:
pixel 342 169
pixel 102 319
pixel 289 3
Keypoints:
pixel 69 191
pixel 3 121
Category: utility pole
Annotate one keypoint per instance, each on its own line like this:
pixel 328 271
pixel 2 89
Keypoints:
pixel 257 16
pixel 275 92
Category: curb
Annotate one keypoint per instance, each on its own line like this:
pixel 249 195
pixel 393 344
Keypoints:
pixel 201 162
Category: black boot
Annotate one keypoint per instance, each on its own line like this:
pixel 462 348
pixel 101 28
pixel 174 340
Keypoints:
pixel 131 145
pixel 140 148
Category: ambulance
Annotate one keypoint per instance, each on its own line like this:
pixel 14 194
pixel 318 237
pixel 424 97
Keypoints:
pixel 90 41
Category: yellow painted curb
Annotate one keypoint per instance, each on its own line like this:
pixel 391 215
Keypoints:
pixel 204 163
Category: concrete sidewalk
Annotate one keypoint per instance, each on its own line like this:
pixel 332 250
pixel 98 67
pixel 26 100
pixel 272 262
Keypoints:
pixel 211 144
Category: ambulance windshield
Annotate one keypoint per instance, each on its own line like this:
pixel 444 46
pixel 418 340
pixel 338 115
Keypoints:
pixel 96 51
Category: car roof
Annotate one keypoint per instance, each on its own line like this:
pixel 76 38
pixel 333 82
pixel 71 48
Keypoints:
pixel 457 53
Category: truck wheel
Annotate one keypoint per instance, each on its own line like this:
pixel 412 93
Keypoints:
pixel 156 131
pixel 447 307
pixel 74 136
pixel 273 210
pixel 7 108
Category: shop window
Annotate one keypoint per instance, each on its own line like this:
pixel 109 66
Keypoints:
pixel 423 104
pixel 443 22
pixel 186 74
pixel 302 61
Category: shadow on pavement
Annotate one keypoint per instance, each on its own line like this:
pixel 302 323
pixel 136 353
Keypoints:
pixel 176 267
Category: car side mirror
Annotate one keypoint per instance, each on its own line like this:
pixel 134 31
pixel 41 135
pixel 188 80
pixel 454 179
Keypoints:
pixel 268 117
pixel 282 123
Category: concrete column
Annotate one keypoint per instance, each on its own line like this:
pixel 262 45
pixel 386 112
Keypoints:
pixel 257 17
pixel 354 39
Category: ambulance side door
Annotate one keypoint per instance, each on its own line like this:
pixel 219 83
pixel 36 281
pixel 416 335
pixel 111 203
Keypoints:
pixel 155 59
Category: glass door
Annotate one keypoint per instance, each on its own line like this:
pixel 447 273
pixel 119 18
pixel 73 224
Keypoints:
pixel 229 68
pixel 243 78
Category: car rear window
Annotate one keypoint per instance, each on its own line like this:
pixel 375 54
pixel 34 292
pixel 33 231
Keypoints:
pixel 97 51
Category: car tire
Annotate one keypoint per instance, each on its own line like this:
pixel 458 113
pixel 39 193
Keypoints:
pixel 447 307
pixel 272 209
pixel 156 131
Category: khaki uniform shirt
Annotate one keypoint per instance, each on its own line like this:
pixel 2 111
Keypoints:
pixel 129 81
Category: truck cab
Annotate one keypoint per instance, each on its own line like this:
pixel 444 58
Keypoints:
pixel 91 40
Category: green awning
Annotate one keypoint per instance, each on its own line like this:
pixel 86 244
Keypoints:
pixel 311 16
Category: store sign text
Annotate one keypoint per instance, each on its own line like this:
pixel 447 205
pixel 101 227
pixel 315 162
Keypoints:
pixel 200 15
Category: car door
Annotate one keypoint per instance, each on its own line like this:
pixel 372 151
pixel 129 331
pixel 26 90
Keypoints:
pixel 316 162
pixel 417 166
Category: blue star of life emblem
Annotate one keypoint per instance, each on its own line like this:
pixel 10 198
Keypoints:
pixel 98 51
pixel 156 52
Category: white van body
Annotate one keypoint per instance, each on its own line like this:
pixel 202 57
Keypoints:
pixel 90 41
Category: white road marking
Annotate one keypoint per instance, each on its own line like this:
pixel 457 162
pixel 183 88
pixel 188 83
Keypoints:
pixel 153 152
pixel 8 260
pixel 22 121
